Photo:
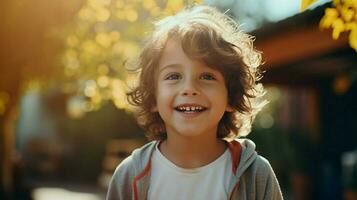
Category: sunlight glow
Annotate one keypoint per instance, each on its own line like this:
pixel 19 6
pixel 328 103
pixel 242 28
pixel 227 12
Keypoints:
pixel 60 194
pixel 76 107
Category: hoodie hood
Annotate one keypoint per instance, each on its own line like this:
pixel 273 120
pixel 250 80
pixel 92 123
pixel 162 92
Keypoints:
pixel 248 156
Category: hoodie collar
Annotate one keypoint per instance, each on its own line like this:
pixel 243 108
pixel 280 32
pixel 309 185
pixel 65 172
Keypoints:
pixel 242 152
pixel 248 155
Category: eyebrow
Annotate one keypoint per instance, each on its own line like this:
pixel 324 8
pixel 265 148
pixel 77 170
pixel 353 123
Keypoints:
pixel 169 66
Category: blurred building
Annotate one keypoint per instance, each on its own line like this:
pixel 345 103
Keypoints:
pixel 316 114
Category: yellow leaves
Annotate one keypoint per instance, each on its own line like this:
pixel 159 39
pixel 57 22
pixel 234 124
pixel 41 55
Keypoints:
pixel 71 62
pixel 331 12
pixel 103 39
pixel 131 50
pixel 90 46
pixel 98 3
pixel 155 11
pixel 114 36
pixel 353 37
pixel 90 88
pixel 352 3
pixel 330 16
pixel 120 4
pixel 120 14
pixel 338 27
pixel 103 69
pixel 118 93
pixel 306 3
pixel 72 40
pixel 93 94
pixel 95 10
pixel 102 14
pixel 70 54
pixel 347 13
pixel 75 107
pixel 336 2
pixel 342 18
pixel 131 15
pixel 106 35
pixel 103 81
pixel 85 13
pixel 174 6
pixel 107 39
pixel 152 7
pixel 149 4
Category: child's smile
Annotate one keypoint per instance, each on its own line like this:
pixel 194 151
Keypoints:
pixel 190 109
pixel 191 97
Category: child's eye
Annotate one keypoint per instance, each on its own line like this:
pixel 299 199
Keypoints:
pixel 173 77
pixel 207 76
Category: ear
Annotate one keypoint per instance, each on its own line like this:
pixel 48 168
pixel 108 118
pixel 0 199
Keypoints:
pixel 229 108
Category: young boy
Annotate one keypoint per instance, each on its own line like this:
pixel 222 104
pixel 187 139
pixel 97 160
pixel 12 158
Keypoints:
pixel 197 92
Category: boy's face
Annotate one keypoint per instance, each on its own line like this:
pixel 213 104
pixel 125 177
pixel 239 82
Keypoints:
pixel 191 97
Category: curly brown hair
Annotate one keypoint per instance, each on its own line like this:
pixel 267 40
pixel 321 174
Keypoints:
pixel 213 37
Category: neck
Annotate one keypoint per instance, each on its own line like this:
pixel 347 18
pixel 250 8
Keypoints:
pixel 192 152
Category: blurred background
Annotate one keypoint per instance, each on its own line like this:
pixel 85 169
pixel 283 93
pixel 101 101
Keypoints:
pixel 65 124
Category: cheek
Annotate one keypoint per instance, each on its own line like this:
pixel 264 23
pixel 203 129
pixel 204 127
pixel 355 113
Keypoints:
pixel 221 96
pixel 163 95
pixel 218 90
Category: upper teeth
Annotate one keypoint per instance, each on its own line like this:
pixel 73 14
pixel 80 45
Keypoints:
pixel 190 108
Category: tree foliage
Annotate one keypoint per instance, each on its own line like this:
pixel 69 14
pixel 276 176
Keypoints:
pixel 341 18
pixel 103 40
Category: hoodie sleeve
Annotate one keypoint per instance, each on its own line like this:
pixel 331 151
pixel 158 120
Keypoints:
pixel 267 185
pixel 120 184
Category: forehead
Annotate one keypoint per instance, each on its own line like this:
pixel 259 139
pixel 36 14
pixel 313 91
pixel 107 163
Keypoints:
pixel 173 55
pixel 172 52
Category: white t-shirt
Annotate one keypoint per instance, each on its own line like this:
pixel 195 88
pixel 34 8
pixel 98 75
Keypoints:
pixel 170 182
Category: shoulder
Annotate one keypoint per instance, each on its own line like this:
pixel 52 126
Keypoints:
pixel 125 167
pixel 257 174
pixel 119 185
pixel 125 172
pixel 262 165
pixel 265 179
pixel 135 162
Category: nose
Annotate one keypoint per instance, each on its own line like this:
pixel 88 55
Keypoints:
pixel 189 93
pixel 190 89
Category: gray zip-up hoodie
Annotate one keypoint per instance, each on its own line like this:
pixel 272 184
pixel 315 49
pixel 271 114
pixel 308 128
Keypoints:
pixel 252 176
